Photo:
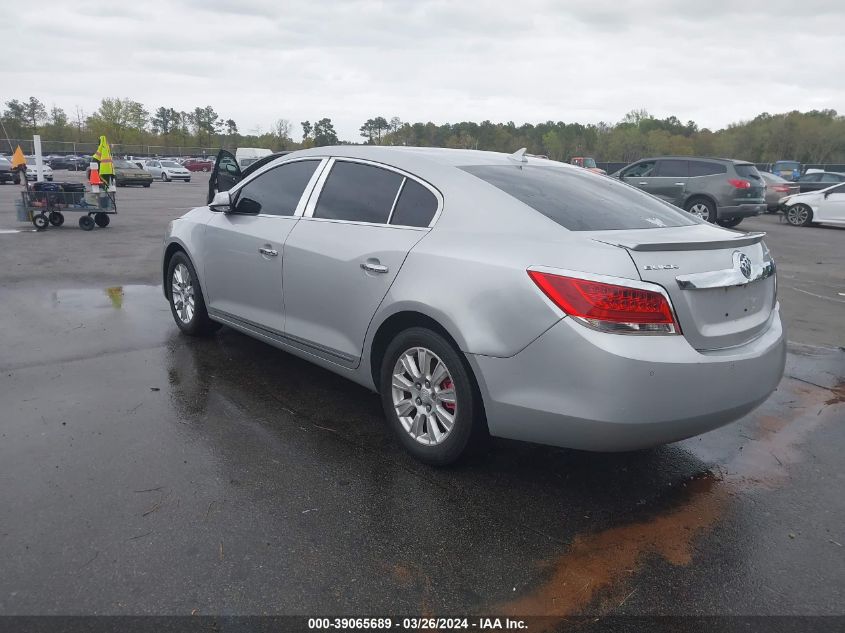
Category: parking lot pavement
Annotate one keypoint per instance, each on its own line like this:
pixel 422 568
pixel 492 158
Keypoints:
pixel 144 472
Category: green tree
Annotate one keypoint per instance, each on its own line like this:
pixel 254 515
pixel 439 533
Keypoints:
pixel 306 129
pixel 324 133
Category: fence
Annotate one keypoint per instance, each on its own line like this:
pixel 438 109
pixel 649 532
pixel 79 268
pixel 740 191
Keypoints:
pixel 118 149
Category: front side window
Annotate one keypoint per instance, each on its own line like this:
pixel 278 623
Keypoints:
pixel 278 190
pixel 673 169
pixel 416 205
pixel 810 178
pixel 646 168
pixel 579 201
pixel 358 193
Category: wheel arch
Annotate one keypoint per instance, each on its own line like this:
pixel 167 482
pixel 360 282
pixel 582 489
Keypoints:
pixel 169 251
pixel 701 196
pixel 397 322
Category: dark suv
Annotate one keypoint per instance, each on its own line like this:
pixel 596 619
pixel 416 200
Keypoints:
pixel 715 189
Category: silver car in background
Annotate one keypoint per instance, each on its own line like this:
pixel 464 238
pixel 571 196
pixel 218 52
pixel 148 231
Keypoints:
pixel 480 292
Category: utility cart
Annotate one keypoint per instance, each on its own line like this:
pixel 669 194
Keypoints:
pixel 46 205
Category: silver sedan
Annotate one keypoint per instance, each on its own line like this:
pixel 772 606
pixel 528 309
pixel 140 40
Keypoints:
pixel 482 293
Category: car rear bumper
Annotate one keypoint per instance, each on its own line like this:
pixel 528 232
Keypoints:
pixel 6 176
pixel 741 210
pixel 579 388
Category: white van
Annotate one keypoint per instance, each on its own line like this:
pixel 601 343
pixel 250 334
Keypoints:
pixel 248 155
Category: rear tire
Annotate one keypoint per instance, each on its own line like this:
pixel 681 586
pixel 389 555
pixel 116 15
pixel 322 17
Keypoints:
pixel 147 184
pixel 86 223
pixel 56 218
pixel 799 215
pixel 187 304
pixel 102 220
pixel 423 428
pixel 729 223
pixel 702 208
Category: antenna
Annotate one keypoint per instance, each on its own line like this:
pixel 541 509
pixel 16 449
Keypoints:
pixel 518 156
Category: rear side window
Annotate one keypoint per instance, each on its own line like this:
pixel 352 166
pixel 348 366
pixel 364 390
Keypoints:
pixel 747 171
pixel 277 191
pixel 416 205
pixel 358 193
pixel 831 178
pixel 810 178
pixel 703 168
pixel 578 200
pixel 673 169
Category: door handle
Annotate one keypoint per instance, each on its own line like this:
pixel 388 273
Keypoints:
pixel 269 252
pixel 374 267
pixel 680 184
pixel 643 183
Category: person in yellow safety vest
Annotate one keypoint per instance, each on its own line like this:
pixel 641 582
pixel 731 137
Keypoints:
pixel 103 157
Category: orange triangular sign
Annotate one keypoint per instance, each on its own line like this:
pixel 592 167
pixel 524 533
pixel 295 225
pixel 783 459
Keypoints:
pixel 18 158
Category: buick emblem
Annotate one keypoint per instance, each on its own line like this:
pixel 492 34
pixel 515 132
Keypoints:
pixel 744 263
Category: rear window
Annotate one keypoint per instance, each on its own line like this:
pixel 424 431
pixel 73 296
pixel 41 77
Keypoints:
pixel 579 200
pixel 747 171
pixel 703 168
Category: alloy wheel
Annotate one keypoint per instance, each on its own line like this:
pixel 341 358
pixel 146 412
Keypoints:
pixel 424 396
pixel 182 293
pixel 797 214
pixel 700 210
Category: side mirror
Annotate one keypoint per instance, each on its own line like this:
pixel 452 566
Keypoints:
pixel 222 201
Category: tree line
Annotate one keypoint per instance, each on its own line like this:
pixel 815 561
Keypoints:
pixel 817 136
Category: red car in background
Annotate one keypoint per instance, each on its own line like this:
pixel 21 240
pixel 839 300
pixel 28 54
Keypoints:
pixel 198 164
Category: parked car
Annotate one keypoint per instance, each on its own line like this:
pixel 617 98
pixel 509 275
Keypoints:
pixel 167 170
pixel 787 169
pixel 198 164
pixel 825 207
pixel 31 174
pixel 245 156
pixel 819 180
pixel 7 174
pixel 128 173
pixel 718 190
pixel 479 292
pixel 71 163
pixel 776 188
pixel 587 163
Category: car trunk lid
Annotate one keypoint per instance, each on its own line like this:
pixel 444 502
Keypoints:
pixel 721 283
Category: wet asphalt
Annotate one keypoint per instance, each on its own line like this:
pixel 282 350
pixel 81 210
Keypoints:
pixel 143 472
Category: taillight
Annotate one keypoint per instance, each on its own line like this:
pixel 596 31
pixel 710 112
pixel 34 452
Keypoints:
pixel 781 188
pixel 609 307
pixel 739 183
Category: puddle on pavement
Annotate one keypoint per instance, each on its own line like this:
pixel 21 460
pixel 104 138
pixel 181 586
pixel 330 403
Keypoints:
pixel 596 569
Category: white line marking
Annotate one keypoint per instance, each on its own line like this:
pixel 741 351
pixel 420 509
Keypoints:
pixel 813 294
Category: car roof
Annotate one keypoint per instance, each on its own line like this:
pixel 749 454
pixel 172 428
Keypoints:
pixel 733 161
pixel 409 157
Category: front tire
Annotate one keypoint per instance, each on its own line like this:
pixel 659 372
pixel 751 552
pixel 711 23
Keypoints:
pixel 164 177
pixel 102 220
pixel 187 304
pixel 429 397
pixel 799 215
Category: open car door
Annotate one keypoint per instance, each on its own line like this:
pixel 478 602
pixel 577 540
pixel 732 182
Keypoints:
pixel 225 175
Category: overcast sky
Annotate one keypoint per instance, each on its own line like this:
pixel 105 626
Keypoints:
pixel 713 61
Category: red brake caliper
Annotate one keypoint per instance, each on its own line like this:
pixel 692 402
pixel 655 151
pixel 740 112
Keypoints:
pixel 447 384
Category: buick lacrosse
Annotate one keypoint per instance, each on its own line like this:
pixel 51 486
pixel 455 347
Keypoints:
pixel 483 293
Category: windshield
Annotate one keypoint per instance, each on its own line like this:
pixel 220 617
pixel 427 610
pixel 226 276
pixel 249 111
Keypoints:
pixel 787 164
pixel 589 163
pixel 247 161
pixel 169 163
pixel 125 164
pixel 578 200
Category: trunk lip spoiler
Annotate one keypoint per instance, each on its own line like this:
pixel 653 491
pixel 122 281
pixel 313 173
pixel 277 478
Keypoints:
pixel 745 239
